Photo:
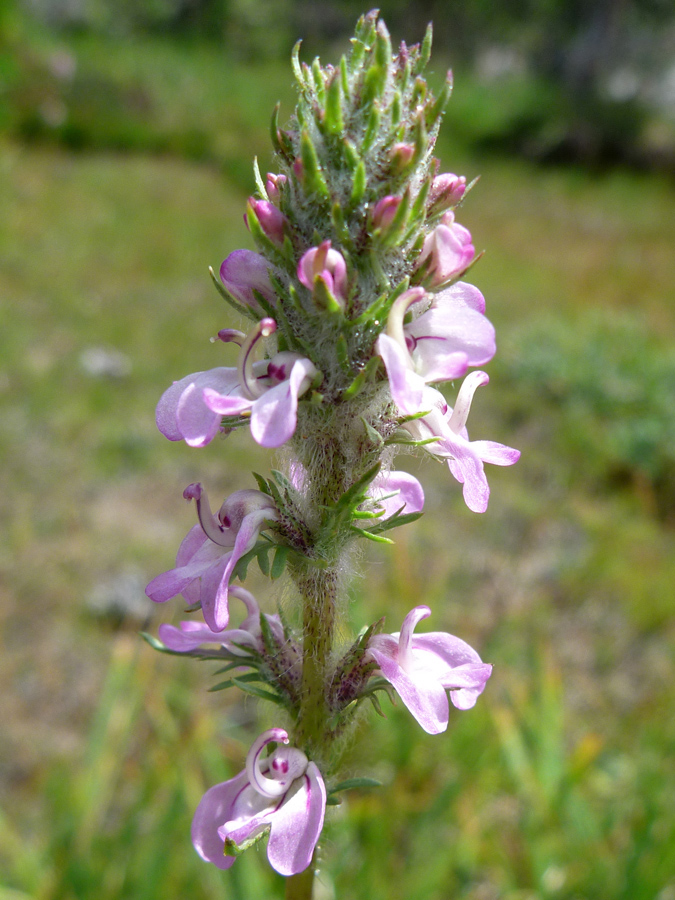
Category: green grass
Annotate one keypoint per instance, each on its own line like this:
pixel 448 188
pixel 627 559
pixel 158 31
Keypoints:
pixel 561 782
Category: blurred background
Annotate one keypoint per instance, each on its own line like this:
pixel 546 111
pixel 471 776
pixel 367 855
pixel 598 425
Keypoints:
pixel 127 132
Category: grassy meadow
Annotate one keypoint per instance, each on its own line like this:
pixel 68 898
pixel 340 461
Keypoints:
pixel 561 782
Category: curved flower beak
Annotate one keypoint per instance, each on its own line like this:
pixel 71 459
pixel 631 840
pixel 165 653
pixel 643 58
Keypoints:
pixel 284 794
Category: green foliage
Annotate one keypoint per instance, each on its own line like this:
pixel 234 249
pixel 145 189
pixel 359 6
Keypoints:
pixel 608 388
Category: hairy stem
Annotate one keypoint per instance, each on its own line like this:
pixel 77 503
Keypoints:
pixel 319 591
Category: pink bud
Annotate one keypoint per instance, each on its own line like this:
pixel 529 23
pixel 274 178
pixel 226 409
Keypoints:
pixel 325 263
pixel 244 272
pixel 446 252
pixel 273 185
pixel 272 222
pixel 385 210
pixel 446 190
pixel 401 154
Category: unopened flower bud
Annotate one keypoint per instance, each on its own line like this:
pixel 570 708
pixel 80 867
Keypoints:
pixel 401 155
pixel 385 210
pixel 272 222
pixel 273 185
pixel 446 191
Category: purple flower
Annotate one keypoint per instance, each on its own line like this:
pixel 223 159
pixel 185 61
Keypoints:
pixel 191 635
pixel 283 794
pixel 446 252
pixel 208 554
pixel 422 668
pixel 244 272
pixel 272 221
pixel 192 408
pixel 465 458
pixel 325 264
pixel 438 345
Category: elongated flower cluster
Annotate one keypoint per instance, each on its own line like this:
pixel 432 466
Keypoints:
pixel 357 311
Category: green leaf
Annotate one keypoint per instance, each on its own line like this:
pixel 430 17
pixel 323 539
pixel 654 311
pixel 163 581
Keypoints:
pixel 372 127
pixel 376 538
pixel 358 185
pixel 344 77
pixel 261 693
pixel 374 435
pixel 351 783
pixel 333 121
pixel 362 378
pixel 280 140
pixel 314 180
pixel 297 69
pixel 263 560
pixel 434 112
pixel 425 50
pixel 279 562
pixel 262 483
pixel 260 184
pixel 394 521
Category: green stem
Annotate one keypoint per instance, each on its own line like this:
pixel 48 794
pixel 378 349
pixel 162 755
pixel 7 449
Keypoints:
pixel 300 886
pixel 319 592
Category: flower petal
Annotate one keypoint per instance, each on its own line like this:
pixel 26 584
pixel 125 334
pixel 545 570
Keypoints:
pixel 407 492
pixel 426 699
pixel 181 414
pixel 214 809
pixel 406 386
pixel 297 824
pixel 275 414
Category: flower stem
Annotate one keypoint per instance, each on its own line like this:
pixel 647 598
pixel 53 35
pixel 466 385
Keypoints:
pixel 300 886
pixel 319 591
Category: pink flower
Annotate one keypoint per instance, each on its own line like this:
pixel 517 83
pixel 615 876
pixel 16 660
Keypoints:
pixel 283 794
pixel 446 252
pixel 244 272
pixel 439 345
pixel 191 635
pixel 422 668
pixel 192 408
pixel 465 458
pixel 328 265
pixel 210 551
pixel 272 222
